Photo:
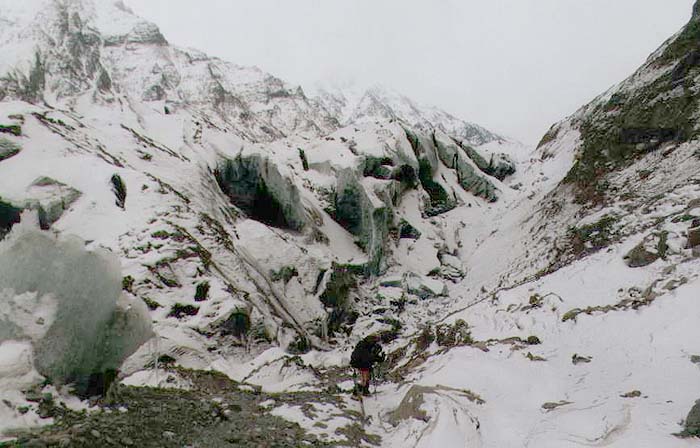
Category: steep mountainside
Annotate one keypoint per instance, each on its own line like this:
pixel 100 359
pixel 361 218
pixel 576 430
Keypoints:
pixel 541 299
pixel 99 52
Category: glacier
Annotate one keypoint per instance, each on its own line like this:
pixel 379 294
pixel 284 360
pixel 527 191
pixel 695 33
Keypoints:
pixel 267 231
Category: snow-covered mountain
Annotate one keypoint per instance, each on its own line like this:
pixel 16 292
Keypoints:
pixel 351 104
pixel 525 298
pixel 101 51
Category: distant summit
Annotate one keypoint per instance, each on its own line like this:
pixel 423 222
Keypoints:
pixel 378 103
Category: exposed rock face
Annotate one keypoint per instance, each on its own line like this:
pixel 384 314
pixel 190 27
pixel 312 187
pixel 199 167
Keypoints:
pixel 641 116
pixel 426 154
pixel 9 216
pixel 83 53
pixel 622 152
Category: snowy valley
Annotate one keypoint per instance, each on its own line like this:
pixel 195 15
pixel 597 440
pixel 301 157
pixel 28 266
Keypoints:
pixel 190 250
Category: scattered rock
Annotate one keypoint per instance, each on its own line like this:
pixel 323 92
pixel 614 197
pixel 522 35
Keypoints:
pixel 151 304
pixel 533 340
pixel 550 406
pixel 202 292
pixel 453 335
pixel 532 357
pixel 179 310
pixel 577 359
pixel 633 394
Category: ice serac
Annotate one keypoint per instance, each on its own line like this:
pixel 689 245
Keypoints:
pixel 255 185
pixel 57 295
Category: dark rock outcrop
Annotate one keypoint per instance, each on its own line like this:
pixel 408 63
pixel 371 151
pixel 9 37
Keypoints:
pixel 9 216
pixel 692 422
pixel 8 149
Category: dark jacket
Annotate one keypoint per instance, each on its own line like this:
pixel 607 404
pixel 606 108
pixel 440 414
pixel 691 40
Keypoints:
pixel 367 352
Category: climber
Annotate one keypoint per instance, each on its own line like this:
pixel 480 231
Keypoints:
pixel 367 353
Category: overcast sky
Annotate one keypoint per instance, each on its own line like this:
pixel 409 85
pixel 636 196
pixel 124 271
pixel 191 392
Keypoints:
pixel 514 66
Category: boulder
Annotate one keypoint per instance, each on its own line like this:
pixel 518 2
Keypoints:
pixel 51 198
pixel 640 257
pixel 652 247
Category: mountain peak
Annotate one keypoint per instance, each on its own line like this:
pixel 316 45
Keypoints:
pixel 354 104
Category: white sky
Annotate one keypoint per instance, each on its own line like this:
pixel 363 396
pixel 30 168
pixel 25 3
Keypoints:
pixel 514 66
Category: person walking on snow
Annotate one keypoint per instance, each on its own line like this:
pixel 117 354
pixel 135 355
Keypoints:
pixel 367 353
